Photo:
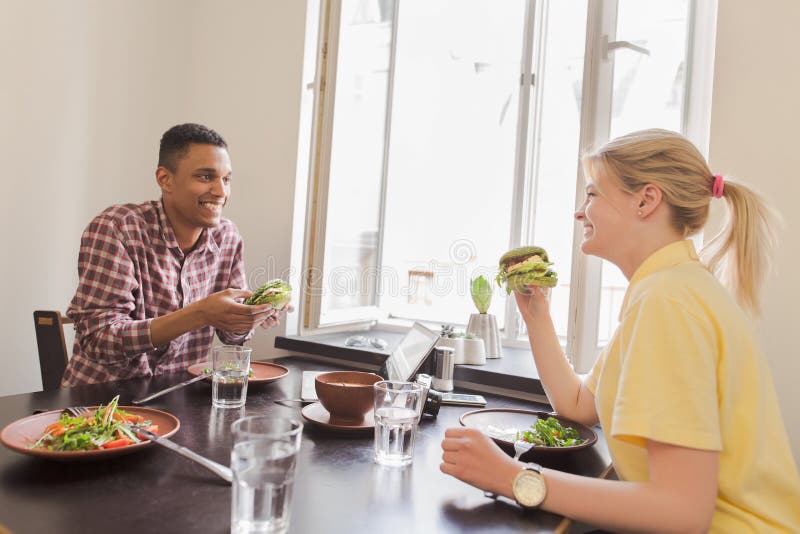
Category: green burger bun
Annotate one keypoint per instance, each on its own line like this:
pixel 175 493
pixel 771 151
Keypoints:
pixel 525 266
pixel 275 292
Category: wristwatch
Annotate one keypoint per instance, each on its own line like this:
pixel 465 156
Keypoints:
pixel 529 487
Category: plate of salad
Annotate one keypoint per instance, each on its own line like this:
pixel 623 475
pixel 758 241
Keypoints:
pixel 543 431
pixel 260 372
pixel 104 432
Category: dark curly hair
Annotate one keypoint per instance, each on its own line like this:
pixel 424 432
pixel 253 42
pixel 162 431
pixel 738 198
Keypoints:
pixel 175 142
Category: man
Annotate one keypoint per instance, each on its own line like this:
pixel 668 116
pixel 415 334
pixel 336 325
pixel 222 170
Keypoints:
pixel 158 279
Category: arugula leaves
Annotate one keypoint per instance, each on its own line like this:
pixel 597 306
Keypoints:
pixel 550 433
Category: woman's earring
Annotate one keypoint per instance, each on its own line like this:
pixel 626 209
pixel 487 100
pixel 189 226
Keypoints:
pixel 639 213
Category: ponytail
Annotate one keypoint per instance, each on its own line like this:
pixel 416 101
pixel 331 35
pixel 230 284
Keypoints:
pixel 738 255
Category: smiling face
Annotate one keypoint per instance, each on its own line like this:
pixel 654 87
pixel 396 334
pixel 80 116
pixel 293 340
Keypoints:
pixel 195 193
pixel 608 215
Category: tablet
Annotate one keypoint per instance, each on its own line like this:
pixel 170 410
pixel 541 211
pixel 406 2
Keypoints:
pixel 405 360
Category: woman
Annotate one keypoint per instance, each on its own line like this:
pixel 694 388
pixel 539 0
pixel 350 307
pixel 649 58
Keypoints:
pixel 682 391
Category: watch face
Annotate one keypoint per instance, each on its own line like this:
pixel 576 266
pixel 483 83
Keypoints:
pixel 529 488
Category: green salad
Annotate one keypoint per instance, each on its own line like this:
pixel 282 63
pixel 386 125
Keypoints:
pixel 549 433
pixel 108 427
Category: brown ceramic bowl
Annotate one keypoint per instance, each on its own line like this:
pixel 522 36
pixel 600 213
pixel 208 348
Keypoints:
pixel 347 395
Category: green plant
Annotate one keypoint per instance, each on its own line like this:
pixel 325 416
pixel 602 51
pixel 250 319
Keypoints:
pixel 449 331
pixel 481 291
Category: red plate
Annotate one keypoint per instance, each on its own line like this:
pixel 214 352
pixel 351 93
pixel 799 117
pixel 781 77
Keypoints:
pixel 22 433
pixel 263 372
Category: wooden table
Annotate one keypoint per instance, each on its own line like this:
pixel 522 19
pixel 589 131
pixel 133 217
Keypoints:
pixel 338 487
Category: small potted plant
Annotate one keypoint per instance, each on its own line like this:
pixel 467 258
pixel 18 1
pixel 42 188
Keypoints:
pixel 483 325
pixel 466 347
pixel 448 337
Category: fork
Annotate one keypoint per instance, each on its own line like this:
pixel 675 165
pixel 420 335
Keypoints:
pixel 521 447
pixel 218 469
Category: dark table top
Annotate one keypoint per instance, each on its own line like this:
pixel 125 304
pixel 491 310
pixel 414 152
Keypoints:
pixel 338 487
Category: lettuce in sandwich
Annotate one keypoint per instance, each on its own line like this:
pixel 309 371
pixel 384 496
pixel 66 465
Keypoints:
pixel 525 266
pixel 275 292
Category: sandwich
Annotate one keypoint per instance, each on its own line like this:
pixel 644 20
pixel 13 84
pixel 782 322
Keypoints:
pixel 275 292
pixel 525 266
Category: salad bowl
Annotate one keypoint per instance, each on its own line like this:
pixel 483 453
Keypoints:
pixel 505 426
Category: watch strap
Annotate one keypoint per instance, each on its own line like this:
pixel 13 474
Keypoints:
pixel 530 466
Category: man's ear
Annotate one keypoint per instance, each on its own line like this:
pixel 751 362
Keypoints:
pixel 650 197
pixel 165 179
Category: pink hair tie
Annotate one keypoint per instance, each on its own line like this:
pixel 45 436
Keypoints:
pixel 719 186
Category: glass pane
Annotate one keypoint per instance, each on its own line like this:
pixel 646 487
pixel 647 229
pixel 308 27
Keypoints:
pixel 648 93
pixel 356 167
pixel 554 165
pixel 451 155
pixel 649 89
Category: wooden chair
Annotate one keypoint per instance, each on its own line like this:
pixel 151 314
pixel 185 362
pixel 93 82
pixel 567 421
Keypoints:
pixel 53 353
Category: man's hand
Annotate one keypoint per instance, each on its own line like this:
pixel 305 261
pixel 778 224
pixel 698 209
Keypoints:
pixel 471 456
pixel 274 320
pixel 223 311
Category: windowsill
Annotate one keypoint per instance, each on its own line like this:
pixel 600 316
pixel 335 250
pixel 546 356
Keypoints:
pixel 513 375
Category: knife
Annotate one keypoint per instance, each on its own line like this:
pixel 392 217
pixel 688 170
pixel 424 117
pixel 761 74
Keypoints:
pixel 287 402
pixel 218 469
pixel 171 388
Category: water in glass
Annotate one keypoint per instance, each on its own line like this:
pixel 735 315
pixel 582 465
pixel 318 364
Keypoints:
pixel 263 475
pixel 229 388
pixel 394 435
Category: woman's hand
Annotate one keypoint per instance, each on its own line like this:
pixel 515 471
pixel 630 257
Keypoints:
pixel 471 456
pixel 534 303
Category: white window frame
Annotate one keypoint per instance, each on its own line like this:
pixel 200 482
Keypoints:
pixel 582 334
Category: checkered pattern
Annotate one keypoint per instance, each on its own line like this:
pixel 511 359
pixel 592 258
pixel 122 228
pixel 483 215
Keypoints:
pixel 131 271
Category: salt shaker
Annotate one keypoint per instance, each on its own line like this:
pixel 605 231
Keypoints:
pixel 443 361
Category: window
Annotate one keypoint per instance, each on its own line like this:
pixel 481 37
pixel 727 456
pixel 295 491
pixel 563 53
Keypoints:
pixel 446 132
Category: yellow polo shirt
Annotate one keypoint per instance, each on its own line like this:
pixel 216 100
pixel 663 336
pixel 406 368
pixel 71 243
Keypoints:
pixel 684 368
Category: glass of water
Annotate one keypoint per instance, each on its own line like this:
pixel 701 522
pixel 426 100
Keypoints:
pixel 230 365
pixel 263 463
pixel 396 415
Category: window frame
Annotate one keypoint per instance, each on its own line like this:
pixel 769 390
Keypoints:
pixel 584 301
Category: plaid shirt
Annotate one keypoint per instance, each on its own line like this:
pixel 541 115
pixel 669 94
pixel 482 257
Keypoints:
pixel 131 270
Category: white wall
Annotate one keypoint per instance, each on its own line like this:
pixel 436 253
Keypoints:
pixel 754 120
pixel 87 89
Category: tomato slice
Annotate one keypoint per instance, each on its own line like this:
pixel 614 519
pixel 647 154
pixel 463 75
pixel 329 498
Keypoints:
pixel 56 429
pixel 122 442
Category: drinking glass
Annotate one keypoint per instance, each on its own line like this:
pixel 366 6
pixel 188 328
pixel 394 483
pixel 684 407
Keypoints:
pixel 397 408
pixel 263 462
pixel 230 365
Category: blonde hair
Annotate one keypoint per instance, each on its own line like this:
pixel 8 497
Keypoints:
pixel 738 254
